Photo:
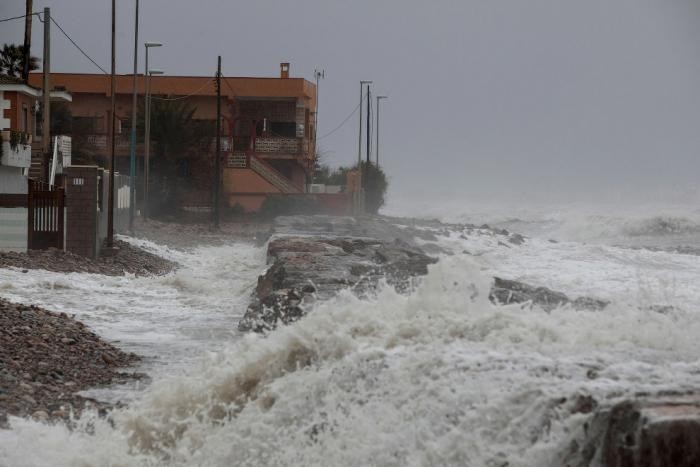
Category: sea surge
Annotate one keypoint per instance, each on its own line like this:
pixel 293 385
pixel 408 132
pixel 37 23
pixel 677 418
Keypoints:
pixel 439 376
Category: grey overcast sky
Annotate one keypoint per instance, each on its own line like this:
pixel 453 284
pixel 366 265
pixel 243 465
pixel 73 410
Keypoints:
pixel 541 99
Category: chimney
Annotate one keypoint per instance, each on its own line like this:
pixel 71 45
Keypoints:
pixel 284 70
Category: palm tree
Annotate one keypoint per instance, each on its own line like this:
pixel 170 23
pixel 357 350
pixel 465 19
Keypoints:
pixel 178 141
pixel 12 60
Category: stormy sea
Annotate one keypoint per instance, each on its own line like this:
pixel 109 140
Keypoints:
pixel 438 375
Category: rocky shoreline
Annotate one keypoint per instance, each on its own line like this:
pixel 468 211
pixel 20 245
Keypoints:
pixel 312 258
pixel 47 358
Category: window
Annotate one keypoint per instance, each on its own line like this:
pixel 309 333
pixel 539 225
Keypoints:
pixel 283 129
pixel 24 125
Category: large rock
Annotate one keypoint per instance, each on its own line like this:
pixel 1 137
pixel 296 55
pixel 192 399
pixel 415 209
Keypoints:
pixel 654 433
pixel 506 291
pixel 314 257
pixel 648 431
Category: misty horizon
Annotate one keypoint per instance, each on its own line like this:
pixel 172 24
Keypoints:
pixel 545 101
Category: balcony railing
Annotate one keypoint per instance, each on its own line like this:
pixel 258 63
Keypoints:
pixel 101 141
pixel 279 145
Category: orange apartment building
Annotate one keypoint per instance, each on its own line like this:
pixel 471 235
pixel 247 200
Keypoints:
pixel 267 128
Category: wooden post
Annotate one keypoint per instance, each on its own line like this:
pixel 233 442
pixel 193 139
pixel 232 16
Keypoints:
pixel 217 165
pixel 30 212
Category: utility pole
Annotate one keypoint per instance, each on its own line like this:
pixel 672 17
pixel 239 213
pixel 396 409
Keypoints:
pixel 318 75
pixel 46 66
pixel 147 125
pixel 379 98
pixel 146 137
pixel 112 139
pixel 132 143
pixel 369 120
pixel 359 192
pixel 217 164
pixel 27 40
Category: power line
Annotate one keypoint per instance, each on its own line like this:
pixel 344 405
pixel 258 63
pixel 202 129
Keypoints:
pixel 341 125
pixel 181 97
pixel 227 84
pixel 77 46
pixel 19 17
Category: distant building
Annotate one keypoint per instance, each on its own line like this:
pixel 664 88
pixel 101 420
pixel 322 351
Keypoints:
pixel 267 128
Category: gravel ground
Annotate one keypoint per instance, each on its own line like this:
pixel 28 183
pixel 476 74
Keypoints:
pixel 185 236
pixel 46 358
pixel 128 259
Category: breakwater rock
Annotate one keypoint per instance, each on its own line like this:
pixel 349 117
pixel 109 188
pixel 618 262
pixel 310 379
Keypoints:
pixel 505 291
pixel 644 431
pixel 314 257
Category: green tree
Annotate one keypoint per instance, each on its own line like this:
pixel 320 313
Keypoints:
pixel 374 181
pixel 61 119
pixel 179 142
pixel 376 184
pixel 12 60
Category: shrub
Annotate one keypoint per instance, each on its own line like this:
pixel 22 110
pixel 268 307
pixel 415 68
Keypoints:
pixel 375 184
pixel 286 205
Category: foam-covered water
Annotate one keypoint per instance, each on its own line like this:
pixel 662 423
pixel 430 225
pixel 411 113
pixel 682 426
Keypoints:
pixel 663 226
pixel 169 319
pixel 437 377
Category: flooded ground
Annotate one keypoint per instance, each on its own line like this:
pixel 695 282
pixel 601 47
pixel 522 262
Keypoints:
pixel 437 377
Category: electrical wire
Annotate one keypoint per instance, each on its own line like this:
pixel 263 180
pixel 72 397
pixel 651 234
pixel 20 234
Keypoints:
pixel 341 125
pixel 225 80
pixel 19 17
pixel 77 46
pixel 180 97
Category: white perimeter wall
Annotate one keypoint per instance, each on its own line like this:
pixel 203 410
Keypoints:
pixel 13 229
pixel 4 104
pixel 11 180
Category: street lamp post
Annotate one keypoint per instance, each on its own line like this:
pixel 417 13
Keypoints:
pixel 132 143
pixel 147 124
pixel 379 98
pixel 112 136
pixel 359 191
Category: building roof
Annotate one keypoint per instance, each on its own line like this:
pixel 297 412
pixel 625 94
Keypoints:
pixel 11 83
pixel 77 83
pixel 4 79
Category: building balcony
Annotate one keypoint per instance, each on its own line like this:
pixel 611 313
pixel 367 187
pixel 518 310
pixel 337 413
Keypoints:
pixel 274 147
pixel 16 149
pixel 100 143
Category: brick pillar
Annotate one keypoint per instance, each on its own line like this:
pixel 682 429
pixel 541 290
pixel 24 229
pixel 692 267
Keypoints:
pixel 81 206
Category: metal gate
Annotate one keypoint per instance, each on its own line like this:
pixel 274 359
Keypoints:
pixel 46 216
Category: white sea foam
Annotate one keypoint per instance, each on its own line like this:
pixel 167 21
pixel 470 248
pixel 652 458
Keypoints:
pixel 654 225
pixel 169 319
pixel 439 377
